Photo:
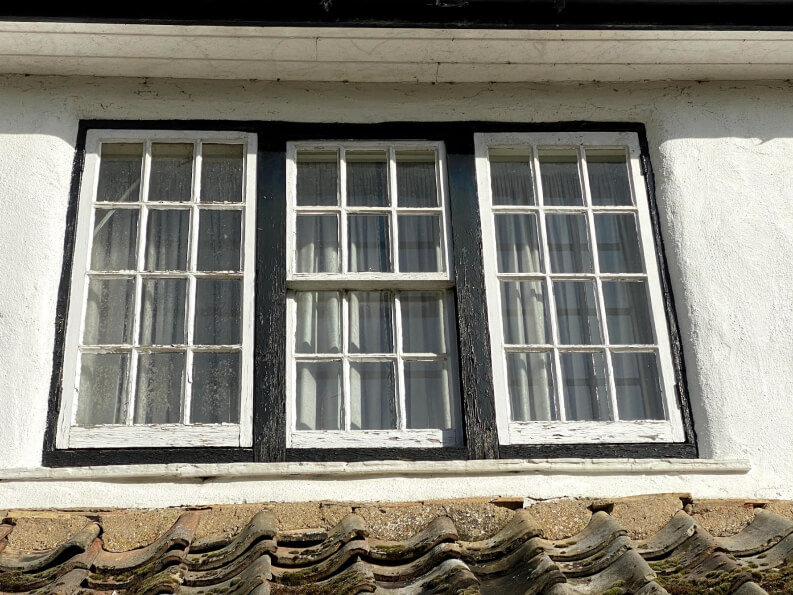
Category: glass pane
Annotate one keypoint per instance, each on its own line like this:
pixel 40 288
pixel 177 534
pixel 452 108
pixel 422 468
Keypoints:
pixel 218 310
pixel 367 179
pixel 423 326
pixel 318 322
pixel 317 178
pixel 517 244
pixel 216 388
pixel 369 239
pixel 318 395
pixel 317 244
pixel 531 388
pixel 584 386
pixel 576 311
pixel 628 312
pixel 219 237
pixel 618 244
pixel 371 327
pixel 115 240
pixel 511 181
pixel 420 244
pixel 608 177
pixel 568 244
pixel 523 308
pixel 372 404
pixel 416 179
pixel 162 315
pixel 427 397
pixel 171 172
pixel 109 311
pixel 166 240
pixel 561 185
pixel 159 395
pixel 221 173
pixel 103 389
pixel 119 172
pixel 638 386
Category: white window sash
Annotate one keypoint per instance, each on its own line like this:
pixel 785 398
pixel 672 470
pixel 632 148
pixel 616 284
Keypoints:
pixel 574 432
pixel 366 281
pixel 68 434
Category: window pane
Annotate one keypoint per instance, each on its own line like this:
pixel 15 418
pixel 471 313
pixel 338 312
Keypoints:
pixel 423 328
pixel 103 389
pixel 318 322
pixel 561 185
pixel 317 244
pixel 119 172
pixel 171 172
pixel 318 392
pixel 568 244
pixel 221 173
pixel 416 179
pixel 216 388
pixel 608 177
pixel 166 240
pixel 159 395
pixel 371 322
pixel 427 399
pixel 317 178
pixel 367 179
pixel 510 178
pixel 638 387
pixel 531 387
pixel 162 315
pixel 584 386
pixel 618 244
pixel 628 312
pixel 109 311
pixel 517 244
pixel 219 236
pixel 369 238
pixel 523 308
pixel 115 240
pixel 576 311
pixel 218 309
pixel 372 405
pixel 420 244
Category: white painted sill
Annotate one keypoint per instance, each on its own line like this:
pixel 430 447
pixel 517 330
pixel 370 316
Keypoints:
pixel 250 471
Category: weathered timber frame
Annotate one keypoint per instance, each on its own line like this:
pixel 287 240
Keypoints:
pixel 269 366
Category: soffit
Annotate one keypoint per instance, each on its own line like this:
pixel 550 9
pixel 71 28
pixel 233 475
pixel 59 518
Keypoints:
pixel 391 54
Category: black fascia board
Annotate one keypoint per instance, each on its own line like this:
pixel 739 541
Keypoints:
pixel 456 14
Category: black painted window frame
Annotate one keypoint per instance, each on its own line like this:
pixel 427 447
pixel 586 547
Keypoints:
pixel 269 399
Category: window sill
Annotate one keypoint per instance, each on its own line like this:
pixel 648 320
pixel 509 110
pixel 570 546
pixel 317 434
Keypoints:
pixel 238 471
pixel 166 435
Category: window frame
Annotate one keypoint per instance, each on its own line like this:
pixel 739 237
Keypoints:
pixel 269 397
pixel 577 432
pixel 158 435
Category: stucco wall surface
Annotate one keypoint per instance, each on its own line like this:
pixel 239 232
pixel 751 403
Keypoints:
pixel 721 154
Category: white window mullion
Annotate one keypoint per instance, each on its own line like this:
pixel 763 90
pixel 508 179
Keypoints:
pixel 401 406
pixel 140 260
pixel 192 267
pixel 393 213
pixel 546 263
pixel 343 248
pixel 345 361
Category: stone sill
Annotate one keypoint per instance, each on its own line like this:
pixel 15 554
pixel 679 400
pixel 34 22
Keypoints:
pixel 229 471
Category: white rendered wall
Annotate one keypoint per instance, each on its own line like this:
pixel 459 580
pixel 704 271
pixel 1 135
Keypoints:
pixel 722 155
